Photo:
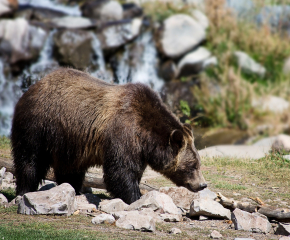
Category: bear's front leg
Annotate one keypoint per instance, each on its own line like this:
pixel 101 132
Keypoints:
pixel 122 184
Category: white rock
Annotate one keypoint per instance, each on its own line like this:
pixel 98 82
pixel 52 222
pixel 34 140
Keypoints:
pixel 215 235
pixel 192 62
pixel 159 202
pixel 208 208
pixel 200 17
pixel 248 64
pixel 72 22
pixel 114 205
pixel 241 151
pixel 181 33
pixel 2 172
pixel 281 143
pixel 103 218
pixel 58 200
pixel 3 199
pixel 175 231
pixel 25 41
pixel 284 238
pixel 250 221
pixel 287 157
pixel 111 11
pixel 136 221
pixel 7 6
pixel 8 176
pixel 271 103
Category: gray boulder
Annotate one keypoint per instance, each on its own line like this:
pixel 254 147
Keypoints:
pixel 7 7
pixel 253 222
pixel 72 22
pixel 115 35
pixel 193 62
pixel 103 10
pixel 271 103
pixel 180 34
pixel 249 65
pixel 73 48
pixel 87 203
pixel 210 208
pixel 103 218
pixel 135 220
pixel 19 40
pixel 3 199
pixel 59 200
pixel 114 205
pixel 159 202
pixel 215 235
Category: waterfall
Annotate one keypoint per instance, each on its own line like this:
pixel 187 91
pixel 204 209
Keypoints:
pixel 99 61
pixel 10 92
pixel 144 69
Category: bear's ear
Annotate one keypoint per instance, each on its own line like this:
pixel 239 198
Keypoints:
pixel 176 137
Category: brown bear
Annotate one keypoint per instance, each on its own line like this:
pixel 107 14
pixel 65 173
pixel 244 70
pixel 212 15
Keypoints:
pixel 71 121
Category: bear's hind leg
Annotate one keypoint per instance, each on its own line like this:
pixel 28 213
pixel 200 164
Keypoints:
pixel 75 179
pixel 30 170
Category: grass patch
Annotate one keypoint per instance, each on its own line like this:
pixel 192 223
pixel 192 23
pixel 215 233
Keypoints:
pixel 4 142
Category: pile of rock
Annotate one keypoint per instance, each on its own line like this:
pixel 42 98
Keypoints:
pixel 170 204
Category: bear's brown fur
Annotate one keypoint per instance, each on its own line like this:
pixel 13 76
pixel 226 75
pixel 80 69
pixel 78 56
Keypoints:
pixel 71 121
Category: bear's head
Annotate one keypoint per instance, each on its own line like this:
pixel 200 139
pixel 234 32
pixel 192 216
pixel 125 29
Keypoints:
pixel 185 170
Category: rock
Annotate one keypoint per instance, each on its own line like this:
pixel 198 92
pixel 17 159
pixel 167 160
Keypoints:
pixel 16 200
pixel 283 229
pixel 118 34
pixel 38 14
pixel 284 238
pixel 87 203
pixel 208 208
pixel 72 22
pixel 19 40
pixel 168 70
pixel 241 151
pixel 2 173
pixel 249 65
pixel 59 200
pixel 200 17
pixel 103 218
pixel 102 10
pixel 180 34
pixel 7 7
pixel 215 235
pixel 202 218
pixel 144 211
pixel 159 202
pixel 271 103
pixel 131 10
pixel 287 157
pixel 114 205
pixel 281 143
pixel 175 231
pixel 171 217
pixel 3 199
pixel 73 48
pixel 181 196
pixel 252 222
pixel 244 239
pixel 8 176
pixel 136 221
pixel 192 62
pixel 174 91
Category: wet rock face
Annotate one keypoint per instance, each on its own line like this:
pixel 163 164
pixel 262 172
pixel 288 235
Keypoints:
pixel 73 48
pixel 20 41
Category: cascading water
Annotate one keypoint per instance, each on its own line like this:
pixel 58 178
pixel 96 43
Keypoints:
pixel 144 70
pixel 10 92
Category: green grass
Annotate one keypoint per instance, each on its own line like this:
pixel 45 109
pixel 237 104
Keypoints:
pixel 4 142
pixel 9 193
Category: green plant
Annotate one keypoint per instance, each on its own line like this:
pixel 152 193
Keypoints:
pixel 184 107
pixel 4 142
